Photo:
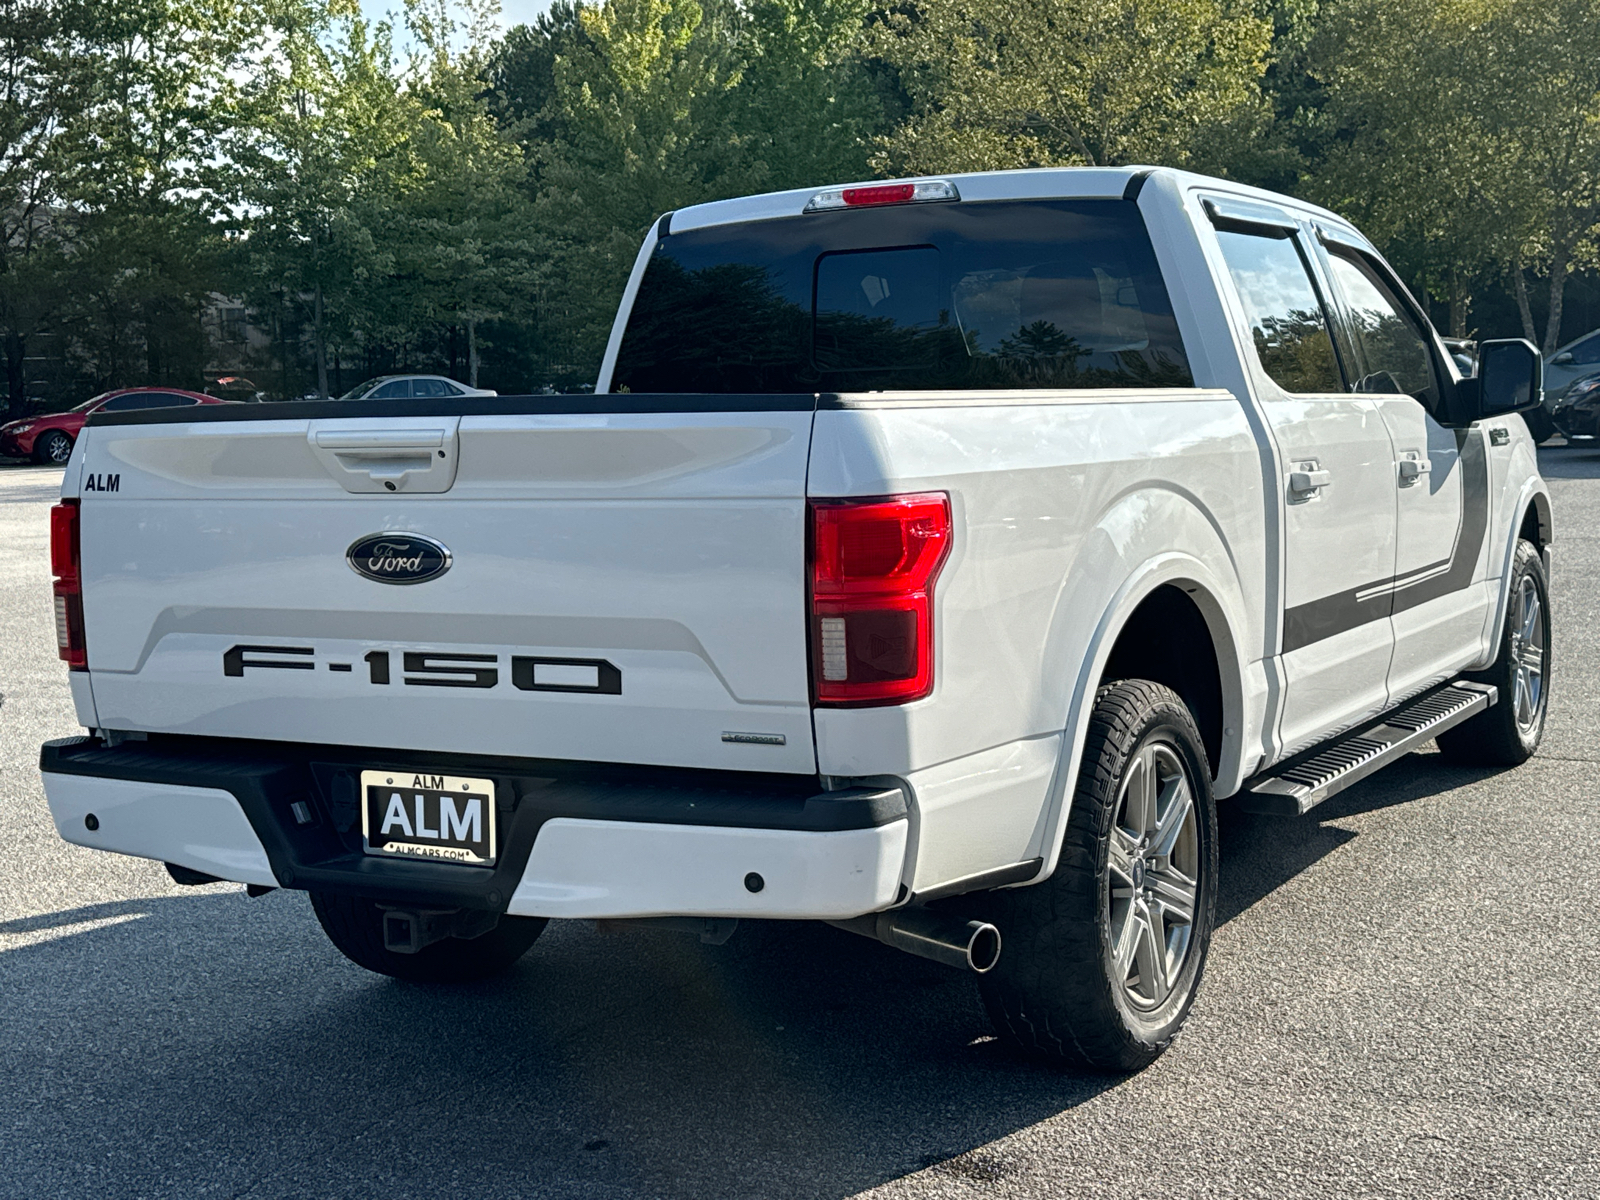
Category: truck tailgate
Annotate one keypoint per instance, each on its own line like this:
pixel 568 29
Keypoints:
pixel 620 587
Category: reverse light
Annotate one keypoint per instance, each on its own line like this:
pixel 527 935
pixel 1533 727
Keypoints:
pixel 64 565
pixel 872 195
pixel 873 566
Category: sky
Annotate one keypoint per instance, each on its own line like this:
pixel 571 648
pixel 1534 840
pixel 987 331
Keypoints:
pixel 512 12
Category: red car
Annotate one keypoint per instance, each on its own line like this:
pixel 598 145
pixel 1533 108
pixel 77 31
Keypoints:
pixel 49 438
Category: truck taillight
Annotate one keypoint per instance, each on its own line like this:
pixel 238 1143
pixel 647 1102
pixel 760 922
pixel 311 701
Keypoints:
pixel 68 584
pixel 873 565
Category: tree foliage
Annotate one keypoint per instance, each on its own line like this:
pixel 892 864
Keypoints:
pixel 446 195
pixel 997 84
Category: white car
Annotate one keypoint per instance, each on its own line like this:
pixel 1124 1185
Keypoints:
pixel 405 387
pixel 932 560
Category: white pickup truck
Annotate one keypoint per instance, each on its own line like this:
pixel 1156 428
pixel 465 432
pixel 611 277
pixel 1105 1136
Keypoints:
pixel 931 559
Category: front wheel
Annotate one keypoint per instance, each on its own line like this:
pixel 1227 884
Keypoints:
pixel 355 927
pixel 1508 734
pixel 53 448
pixel 1103 959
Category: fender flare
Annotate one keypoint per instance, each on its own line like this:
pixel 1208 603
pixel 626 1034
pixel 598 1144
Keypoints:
pixel 1169 568
pixel 1536 495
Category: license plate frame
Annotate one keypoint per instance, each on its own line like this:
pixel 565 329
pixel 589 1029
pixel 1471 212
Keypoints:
pixel 397 804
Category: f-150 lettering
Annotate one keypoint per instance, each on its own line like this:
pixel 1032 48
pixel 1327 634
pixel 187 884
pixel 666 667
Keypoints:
pixel 964 542
pixel 430 668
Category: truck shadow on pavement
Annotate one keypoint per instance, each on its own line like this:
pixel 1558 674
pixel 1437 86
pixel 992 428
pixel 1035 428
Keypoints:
pixel 207 1041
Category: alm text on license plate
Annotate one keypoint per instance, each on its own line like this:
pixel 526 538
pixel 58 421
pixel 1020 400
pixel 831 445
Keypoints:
pixel 416 814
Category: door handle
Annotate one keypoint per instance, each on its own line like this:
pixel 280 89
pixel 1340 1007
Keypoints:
pixel 378 442
pixel 1412 469
pixel 1304 483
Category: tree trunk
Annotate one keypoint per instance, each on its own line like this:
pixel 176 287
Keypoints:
pixel 1558 287
pixel 322 346
pixel 452 337
pixel 1524 309
pixel 472 352
pixel 1460 304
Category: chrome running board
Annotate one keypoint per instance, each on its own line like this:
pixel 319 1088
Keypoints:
pixel 1306 780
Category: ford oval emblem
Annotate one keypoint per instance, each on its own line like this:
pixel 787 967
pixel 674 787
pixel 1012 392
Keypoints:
pixel 398 557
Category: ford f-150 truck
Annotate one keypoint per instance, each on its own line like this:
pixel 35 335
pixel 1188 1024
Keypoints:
pixel 931 559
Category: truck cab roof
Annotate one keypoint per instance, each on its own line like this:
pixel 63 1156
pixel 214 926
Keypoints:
pixel 1030 183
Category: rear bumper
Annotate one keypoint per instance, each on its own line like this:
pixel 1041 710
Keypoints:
pixel 578 840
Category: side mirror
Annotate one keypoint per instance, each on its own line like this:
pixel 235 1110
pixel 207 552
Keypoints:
pixel 1510 379
pixel 1564 359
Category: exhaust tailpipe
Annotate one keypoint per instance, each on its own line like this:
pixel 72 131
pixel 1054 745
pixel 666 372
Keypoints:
pixel 965 945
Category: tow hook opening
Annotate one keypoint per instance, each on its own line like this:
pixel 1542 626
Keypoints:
pixel 410 931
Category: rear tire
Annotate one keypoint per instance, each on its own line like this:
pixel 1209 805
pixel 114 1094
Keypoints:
pixel 1508 734
pixel 53 448
pixel 1102 960
pixel 355 926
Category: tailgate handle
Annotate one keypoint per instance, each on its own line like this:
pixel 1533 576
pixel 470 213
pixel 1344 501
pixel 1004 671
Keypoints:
pixel 379 441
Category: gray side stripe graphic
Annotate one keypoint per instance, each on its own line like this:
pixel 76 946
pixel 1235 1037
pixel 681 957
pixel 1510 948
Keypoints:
pixel 1311 622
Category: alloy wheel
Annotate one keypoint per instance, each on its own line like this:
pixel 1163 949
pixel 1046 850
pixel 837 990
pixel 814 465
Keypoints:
pixel 1529 646
pixel 1154 871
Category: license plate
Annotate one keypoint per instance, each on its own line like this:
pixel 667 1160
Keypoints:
pixel 450 818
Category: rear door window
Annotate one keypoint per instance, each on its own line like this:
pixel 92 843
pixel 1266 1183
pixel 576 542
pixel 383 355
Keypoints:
pixel 962 296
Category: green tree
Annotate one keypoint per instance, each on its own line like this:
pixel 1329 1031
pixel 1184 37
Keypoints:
pixel 995 84
pixel 36 102
pixel 460 225
pixel 323 146
pixel 1464 136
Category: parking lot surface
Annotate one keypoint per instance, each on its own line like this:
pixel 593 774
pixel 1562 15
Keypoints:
pixel 1401 1000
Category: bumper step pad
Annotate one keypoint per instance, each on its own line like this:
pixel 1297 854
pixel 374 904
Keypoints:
pixel 1305 781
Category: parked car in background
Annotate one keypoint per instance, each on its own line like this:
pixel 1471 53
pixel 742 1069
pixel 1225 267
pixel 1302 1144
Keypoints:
pixel 405 387
pixel 237 388
pixel 1577 413
pixel 48 438
pixel 1570 363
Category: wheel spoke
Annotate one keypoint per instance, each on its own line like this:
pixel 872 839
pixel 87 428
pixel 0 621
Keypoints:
pixel 1533 659
pixel 1530 613
pixel 1127 943
pixel 1179 805
pixel 1120 854
pixel 1139 807
pixel 1152 954
pixel 1175 892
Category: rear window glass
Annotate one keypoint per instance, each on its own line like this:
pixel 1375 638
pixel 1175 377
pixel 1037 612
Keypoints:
pixel 962 296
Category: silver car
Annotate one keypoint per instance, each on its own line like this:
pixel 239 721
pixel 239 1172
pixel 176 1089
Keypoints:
pixel 404 387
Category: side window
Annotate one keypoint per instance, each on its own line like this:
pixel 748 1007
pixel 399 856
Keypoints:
pixel 431 387
pixel 1391 353
pixel 1587 352
pixel 139 400
pixel 395 389
pixel 1287 320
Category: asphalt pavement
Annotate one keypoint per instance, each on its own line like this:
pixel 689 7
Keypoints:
pixel 1401 1001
